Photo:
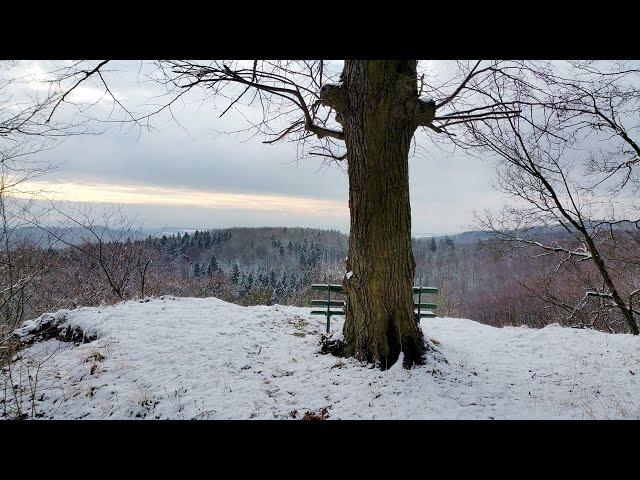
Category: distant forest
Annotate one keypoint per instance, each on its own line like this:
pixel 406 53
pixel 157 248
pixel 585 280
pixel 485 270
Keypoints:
pixel 476 277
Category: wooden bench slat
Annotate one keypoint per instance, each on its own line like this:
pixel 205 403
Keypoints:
pixel 324 287
pixel 428 306
pixel 324 312
pixel 324 303
pixel 417 290
pixel 426 315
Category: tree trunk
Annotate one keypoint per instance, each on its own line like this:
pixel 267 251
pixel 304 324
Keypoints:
pixel 379 119
pixel 627 311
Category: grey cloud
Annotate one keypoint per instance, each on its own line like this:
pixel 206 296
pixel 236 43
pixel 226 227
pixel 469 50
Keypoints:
pixel 445 189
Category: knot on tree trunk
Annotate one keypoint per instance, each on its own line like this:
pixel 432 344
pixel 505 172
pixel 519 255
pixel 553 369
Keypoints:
pixel 334 95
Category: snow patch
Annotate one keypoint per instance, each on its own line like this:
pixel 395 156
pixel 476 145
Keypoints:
pixel 184 358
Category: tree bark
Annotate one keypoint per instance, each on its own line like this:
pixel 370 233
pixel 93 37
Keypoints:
pixel 627 311
pixel 379 110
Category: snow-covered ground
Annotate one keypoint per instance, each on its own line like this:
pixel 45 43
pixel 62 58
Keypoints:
pixel 186 358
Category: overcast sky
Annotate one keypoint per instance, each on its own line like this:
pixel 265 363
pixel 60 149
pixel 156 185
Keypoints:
pixel 192 176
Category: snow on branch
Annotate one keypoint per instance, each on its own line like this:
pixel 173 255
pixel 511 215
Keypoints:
pixel 426 111
pixel 332 94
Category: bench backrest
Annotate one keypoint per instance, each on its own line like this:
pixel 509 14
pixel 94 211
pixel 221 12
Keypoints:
pixel 327 287
pixel 332 307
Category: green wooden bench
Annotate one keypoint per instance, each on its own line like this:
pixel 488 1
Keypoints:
pixel 330 308
pixel 425 310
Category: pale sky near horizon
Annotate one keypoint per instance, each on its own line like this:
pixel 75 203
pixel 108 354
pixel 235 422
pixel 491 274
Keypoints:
pixel 192 176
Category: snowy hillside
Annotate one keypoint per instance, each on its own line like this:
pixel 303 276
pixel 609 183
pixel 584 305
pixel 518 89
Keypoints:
pixel 186 358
